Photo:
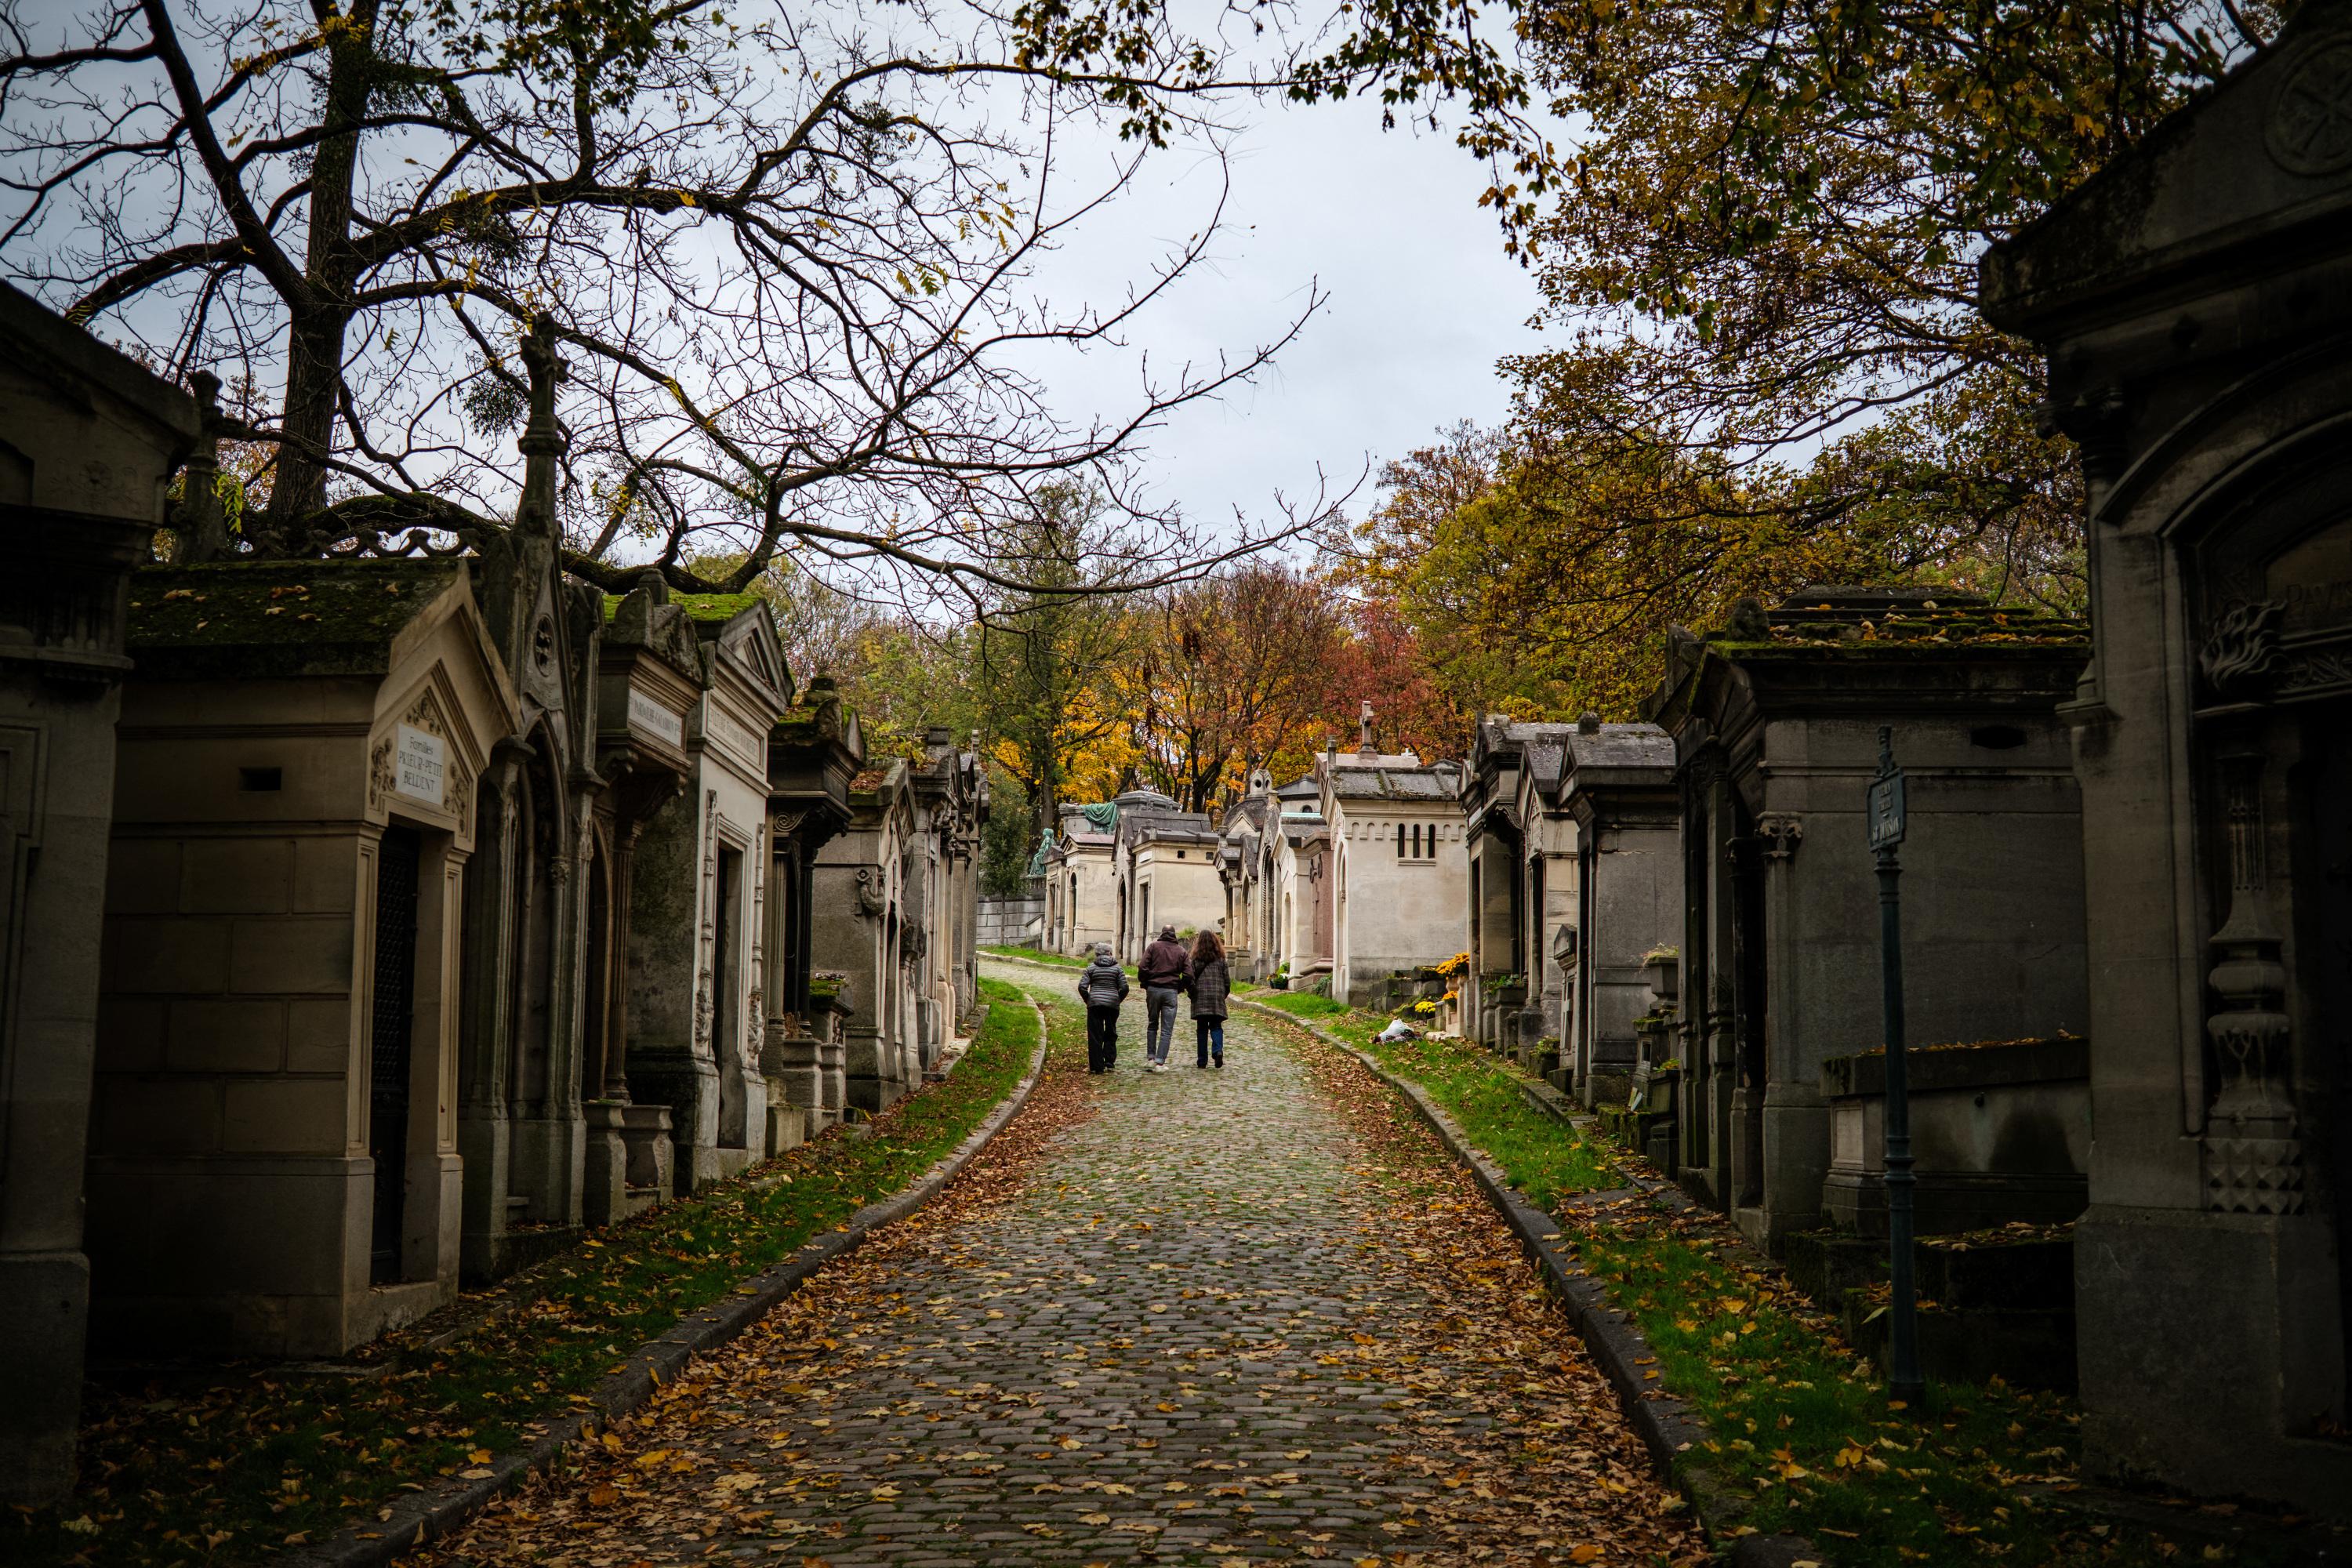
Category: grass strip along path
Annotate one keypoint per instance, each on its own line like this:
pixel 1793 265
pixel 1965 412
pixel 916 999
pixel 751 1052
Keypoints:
pixel 1795 1413
pixel 259 1458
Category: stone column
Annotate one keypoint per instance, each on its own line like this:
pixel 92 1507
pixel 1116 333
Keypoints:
pixel 1720 1022
pixel 629 1164
pixel 485 1132
pixel 1750 1074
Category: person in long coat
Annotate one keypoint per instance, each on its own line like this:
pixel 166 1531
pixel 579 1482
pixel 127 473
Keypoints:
pixel 1211 984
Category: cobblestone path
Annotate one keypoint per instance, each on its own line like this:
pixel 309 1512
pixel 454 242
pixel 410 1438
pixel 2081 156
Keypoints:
pixel 1200 1317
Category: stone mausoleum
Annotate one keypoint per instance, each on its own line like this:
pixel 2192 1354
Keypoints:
pixel 1776 719
pixel 88 441
pixel 1164 865
pixel 815 750
pixel 1399 869
pixel 385 916
pixel 1081 888
pixel 1615 784
pixel 2195 298
pixel 273 1162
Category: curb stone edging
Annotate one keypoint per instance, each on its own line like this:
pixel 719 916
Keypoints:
pixel 427 1515
pixel 1663 1422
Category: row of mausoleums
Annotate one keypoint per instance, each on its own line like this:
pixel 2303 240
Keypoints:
pixel 2126 884
pixel 1340 879
pixel 375 924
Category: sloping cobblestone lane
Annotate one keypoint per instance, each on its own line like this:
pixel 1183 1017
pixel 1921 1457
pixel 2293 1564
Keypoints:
pixel 1192 1318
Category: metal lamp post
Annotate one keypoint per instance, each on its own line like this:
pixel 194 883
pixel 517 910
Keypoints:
pixel 1886 822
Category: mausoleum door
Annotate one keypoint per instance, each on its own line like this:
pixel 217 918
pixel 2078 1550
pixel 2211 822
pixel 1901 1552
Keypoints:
pixel 538 844
pixel 1749 968
pixel 2325 971
pixel 2269 600
pixel 1532 934
pixel 391 1002
pixel 725 1018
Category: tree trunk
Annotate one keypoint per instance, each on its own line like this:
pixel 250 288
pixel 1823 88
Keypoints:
pixel 314 371
pixel 314 375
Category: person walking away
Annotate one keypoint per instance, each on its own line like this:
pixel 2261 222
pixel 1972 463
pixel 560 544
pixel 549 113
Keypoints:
pixel 1165 972
pixel 1102 986
pixel 1211 983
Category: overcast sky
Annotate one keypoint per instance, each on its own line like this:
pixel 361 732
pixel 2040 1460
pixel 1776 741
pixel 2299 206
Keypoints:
pixel 1421 304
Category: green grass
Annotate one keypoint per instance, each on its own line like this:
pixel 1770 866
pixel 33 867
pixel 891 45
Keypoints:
pixel 1542 1157
pixel 230 1472
pixel 1036 955
pixel 1304 1004
pixel 1065 1020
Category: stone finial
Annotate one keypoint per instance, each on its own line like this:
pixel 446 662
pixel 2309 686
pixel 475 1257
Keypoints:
pixel 1588 723
pixel 1747 621
pixel 1364 727
pixel 653 585
pixel 542 439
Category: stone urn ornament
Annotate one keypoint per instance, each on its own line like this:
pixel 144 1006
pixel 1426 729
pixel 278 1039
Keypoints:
pixel 1664 965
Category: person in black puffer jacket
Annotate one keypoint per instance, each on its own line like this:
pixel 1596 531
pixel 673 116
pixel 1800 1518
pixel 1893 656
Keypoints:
pixel 1102 986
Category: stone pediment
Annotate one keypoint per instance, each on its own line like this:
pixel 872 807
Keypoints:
pixel 425 759
pixel 742 629
pixel 2240 172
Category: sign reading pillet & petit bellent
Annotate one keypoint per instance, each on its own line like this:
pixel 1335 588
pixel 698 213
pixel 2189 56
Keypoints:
pixel 647 714
pixel 421 759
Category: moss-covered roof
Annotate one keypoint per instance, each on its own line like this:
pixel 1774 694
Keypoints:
pixel 1893 621
pixel 713 609
pixel 278 618
pixel 703 609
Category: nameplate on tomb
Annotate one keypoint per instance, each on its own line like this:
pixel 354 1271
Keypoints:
pixel 737 736
pixel 420 764
pixel 648 717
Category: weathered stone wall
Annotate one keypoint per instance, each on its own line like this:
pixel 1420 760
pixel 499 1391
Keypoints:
pixel 1013 922
pixel 2001 1131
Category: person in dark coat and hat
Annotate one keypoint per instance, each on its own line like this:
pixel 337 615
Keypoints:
pixel 1165 972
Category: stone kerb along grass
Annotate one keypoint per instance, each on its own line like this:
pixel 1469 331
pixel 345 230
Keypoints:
pixel 232 1465
pixel 1794 1417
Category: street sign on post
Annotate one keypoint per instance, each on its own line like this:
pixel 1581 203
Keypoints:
pixel 1886 825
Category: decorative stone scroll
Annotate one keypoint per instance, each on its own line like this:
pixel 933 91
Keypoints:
pixel 1780 835
pixel 2241 653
